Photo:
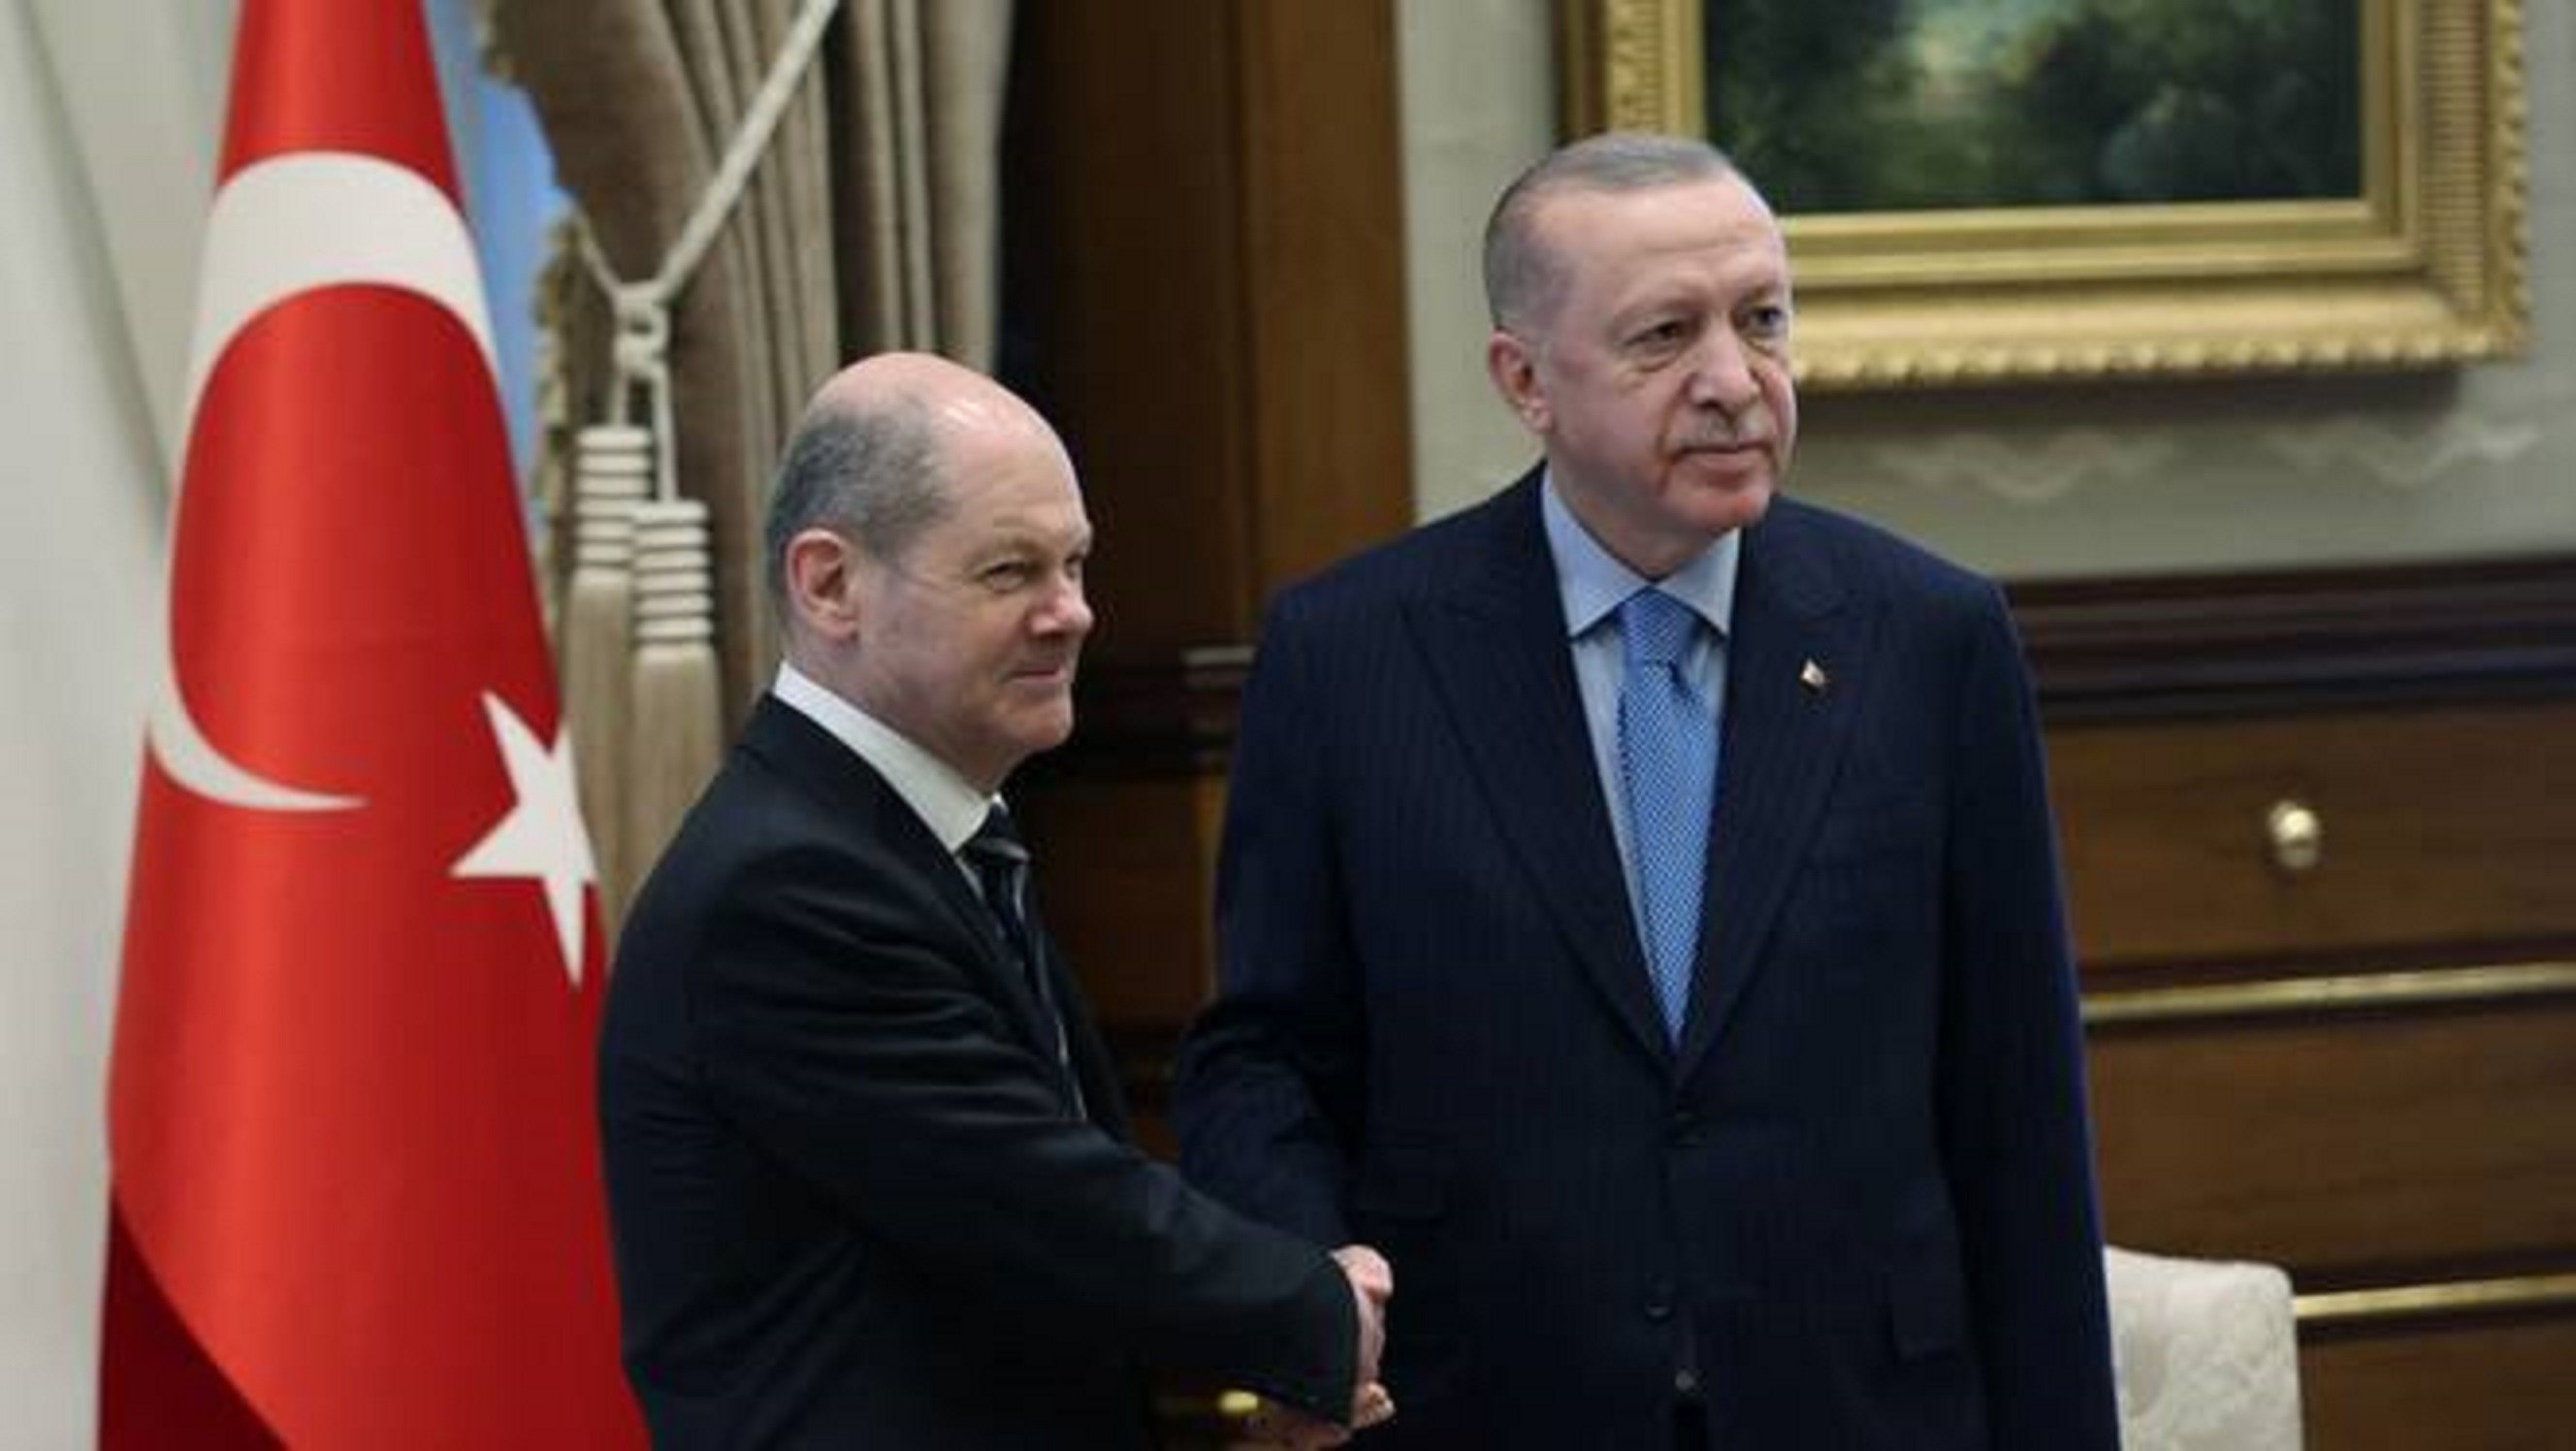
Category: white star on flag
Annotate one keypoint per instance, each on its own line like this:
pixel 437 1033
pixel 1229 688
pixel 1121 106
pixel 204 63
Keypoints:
pixel 542 837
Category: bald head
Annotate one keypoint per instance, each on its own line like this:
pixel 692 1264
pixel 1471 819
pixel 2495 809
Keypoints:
pixel 953 397
pixel 872 457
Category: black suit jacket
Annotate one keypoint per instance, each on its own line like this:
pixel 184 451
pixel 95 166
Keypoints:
pixel 851 1204
pixel 1854 1202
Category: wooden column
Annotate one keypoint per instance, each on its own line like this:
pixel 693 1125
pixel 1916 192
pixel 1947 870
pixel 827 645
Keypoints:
pixel 1211 276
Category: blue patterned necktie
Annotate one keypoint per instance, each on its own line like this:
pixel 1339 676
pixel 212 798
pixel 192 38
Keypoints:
pixel 1668 764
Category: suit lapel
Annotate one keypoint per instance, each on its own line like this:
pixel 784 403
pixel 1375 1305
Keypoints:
pixel 882 825
pixel 1785 731
pixel 1495 647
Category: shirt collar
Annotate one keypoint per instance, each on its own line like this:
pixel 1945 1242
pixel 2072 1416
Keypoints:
pixel 1591 582
pixel 952 809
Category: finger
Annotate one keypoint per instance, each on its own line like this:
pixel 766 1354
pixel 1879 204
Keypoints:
pixel 1374 1407
pixel 1368 1267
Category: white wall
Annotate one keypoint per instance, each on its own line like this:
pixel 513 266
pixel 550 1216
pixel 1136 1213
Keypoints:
pixel 1478 104
pixel 2145 478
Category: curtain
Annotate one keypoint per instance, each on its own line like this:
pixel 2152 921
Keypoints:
pixel 868 225
pixel 108 123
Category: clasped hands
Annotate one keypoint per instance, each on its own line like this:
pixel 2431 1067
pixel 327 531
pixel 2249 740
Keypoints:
pixel 1372 1285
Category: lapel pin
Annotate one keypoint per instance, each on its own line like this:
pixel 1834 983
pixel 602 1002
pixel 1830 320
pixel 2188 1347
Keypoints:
pixel 1813 676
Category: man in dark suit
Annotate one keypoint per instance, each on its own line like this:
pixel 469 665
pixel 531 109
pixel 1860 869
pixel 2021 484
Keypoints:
pixel 866 1160
pixel 1639 909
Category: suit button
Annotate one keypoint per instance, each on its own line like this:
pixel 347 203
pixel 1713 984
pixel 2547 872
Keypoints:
pixel 1686 1381
pixel 1659 1303
pixel 1687 1130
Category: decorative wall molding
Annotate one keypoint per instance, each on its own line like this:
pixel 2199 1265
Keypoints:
pixel 2380 1306
pixel 2027 470
pixel 2256 997
pixel 2310 639
pixel 2402 456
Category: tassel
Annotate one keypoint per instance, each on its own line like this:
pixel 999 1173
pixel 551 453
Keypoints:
pixel 612 473
pixel 676 729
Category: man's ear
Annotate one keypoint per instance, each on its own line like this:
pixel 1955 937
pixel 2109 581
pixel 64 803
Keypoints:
pixel 822 572
pixel 1513 366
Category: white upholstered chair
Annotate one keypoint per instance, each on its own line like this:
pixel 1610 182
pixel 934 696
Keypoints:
pixel 2207 1352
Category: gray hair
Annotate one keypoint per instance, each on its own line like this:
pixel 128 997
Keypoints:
pixel 1522 278
pixel 870 475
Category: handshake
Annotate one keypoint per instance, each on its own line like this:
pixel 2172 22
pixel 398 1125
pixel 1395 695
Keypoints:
pixel 1372 1285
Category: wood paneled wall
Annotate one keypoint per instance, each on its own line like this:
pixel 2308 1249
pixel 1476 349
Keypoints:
pixel 1213 195
pixel 1210 199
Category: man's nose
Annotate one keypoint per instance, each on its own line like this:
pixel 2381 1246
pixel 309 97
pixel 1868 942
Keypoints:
pixel 1066 610
pixel 1722 373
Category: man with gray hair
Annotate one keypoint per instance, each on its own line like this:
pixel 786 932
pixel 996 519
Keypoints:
pixel 867 1166
pixel 1639 911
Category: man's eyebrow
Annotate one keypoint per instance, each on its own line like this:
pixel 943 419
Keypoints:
pixel 1023 534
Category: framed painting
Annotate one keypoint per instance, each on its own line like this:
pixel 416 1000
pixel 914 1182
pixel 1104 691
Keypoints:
pixel 2003 190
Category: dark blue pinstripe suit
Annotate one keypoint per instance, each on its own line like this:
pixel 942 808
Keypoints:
pixel 1854 1205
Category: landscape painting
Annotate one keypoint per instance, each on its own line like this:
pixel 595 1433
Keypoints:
pixel 1909 105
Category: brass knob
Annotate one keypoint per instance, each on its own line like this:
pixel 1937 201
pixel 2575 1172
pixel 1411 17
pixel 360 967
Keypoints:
pixel 2297 834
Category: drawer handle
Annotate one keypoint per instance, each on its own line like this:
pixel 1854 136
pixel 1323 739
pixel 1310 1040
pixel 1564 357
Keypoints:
pixel 2298 836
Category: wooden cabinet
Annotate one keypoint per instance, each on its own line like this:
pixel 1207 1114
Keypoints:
pixel 2359 1145
pixel 2320 838
pixel 2431 830
pixel 2485 1381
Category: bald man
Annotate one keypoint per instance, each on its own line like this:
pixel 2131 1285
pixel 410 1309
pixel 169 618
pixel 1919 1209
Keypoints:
pixel 866 1159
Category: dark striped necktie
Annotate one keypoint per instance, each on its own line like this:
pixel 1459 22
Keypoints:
pixel 1001 864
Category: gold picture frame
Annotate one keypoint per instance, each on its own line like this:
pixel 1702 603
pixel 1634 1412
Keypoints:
pixel 2427 267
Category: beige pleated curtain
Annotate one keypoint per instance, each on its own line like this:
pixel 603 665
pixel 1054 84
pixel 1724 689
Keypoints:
pixel 870 224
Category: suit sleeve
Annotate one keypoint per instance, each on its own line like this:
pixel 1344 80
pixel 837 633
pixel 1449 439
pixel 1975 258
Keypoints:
pixel 2016 1133
pixel 1267 1094
pixel 848 1043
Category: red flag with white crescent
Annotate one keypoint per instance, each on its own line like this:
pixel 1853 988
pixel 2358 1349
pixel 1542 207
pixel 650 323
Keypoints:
pixel 356 1197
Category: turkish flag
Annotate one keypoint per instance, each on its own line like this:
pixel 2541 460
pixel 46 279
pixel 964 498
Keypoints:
pixel 356 1197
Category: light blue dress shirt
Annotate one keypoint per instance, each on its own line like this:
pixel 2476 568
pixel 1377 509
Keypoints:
pixel 1591 583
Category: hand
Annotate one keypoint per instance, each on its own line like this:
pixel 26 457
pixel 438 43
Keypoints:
pixel 1372 1285
pixel 1272 1425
